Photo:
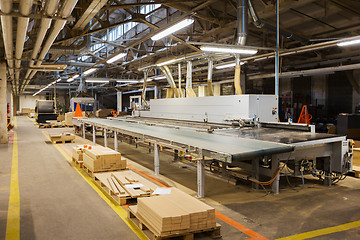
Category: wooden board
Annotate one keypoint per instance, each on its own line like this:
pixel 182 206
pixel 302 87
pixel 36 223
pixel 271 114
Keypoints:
pixel 114 184
pixel 148 231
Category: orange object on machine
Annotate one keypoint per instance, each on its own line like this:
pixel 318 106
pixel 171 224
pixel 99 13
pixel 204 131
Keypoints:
pixel 305 117
pixel 78 112
pixel 114 113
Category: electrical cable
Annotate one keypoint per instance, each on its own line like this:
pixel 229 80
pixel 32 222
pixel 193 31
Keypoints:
pixel 277 172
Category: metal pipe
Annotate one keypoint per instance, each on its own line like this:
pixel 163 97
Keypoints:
pixel 7 28
pixel 170 79
pixel 259 24
pixel 25 9
pixel 209 78
pixel 242 22
pixel 179 76
pixel 64 12
pixel 189 90
pixel 50 9
pixel 143 93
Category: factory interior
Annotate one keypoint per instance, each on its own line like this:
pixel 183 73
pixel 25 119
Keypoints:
pixel 180 119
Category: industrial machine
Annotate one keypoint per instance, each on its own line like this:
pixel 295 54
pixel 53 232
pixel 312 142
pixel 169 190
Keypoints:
pixel 45 111
pixel 239 131
pixel 87 104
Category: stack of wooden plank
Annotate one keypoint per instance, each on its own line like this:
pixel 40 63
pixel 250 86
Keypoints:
pixel 68 119
pixel 163 215
pixel 123 185
pixel 101 159
pixel 176 212
pixel 63 138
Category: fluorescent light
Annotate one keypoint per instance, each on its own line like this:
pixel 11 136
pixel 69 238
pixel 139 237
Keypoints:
pixel 158 77
pixel 117 57
pixel 58 80
pixel 96 81
pixel 75 76
pixel 70 79
pixel 229 65
pixel 87 72
pixel 172 29
pixel 166 62
pixel 347 43
pixel 228 50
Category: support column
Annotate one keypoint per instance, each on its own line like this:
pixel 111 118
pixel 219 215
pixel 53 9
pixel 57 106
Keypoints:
pixel 83 130
pixel 255 173
pixel 201 177
pixel 119 101
pixel 156 159
pixel 105 137
pixel 276 184
pixel 94 135
pixel 3 105
pixel 115 141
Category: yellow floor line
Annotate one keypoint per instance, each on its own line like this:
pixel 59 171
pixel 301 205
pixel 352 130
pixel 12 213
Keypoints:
pixel 13 216
pixel 118 209
pixel 324 231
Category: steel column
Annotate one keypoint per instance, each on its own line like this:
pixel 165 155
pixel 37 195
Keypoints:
pixel 3 104
pixel 156 159
pixel 94 135
pixel 115 141
pixel 83 130
pixel 201 177
pixel 105 137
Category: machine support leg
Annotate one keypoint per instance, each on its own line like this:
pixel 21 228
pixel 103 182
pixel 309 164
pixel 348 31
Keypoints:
pixel 150 147
pixel 176 155
pixel 94 135
pixel 156 159
pixel 105 137
pixel 116 141
pixel 83 130
pixel 275 185
pixel 201 177
pixel 255 173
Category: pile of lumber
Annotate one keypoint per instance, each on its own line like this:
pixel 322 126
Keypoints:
pixel 175 213
pixel 103 113
pixel 101 159
pixel 123 185
pixel 56 124
pixel 63 138
pixel 68 119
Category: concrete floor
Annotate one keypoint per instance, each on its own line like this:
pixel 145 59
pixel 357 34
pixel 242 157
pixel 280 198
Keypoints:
pixel 57 203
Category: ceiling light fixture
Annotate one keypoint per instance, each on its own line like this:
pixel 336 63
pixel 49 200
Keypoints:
pixel 96 81
pixel 229 65
pixel 180 25
pixel 91 70
pixel 233 50
pixel 58 80
pixel 70 79
pixel 115 58
pixel 348 43
pixel 166 62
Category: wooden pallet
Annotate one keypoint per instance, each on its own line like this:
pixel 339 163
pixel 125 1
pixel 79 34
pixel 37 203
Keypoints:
pixel 149 232
pixel 92 174
pixel 44 125
pixel 121 200
pixel 77 163
pixel 62 141
pixel 114 184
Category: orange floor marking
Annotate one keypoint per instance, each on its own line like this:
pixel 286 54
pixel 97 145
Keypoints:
pixel 229 221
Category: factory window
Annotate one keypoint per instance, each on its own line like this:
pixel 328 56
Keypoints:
pixel 119 31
